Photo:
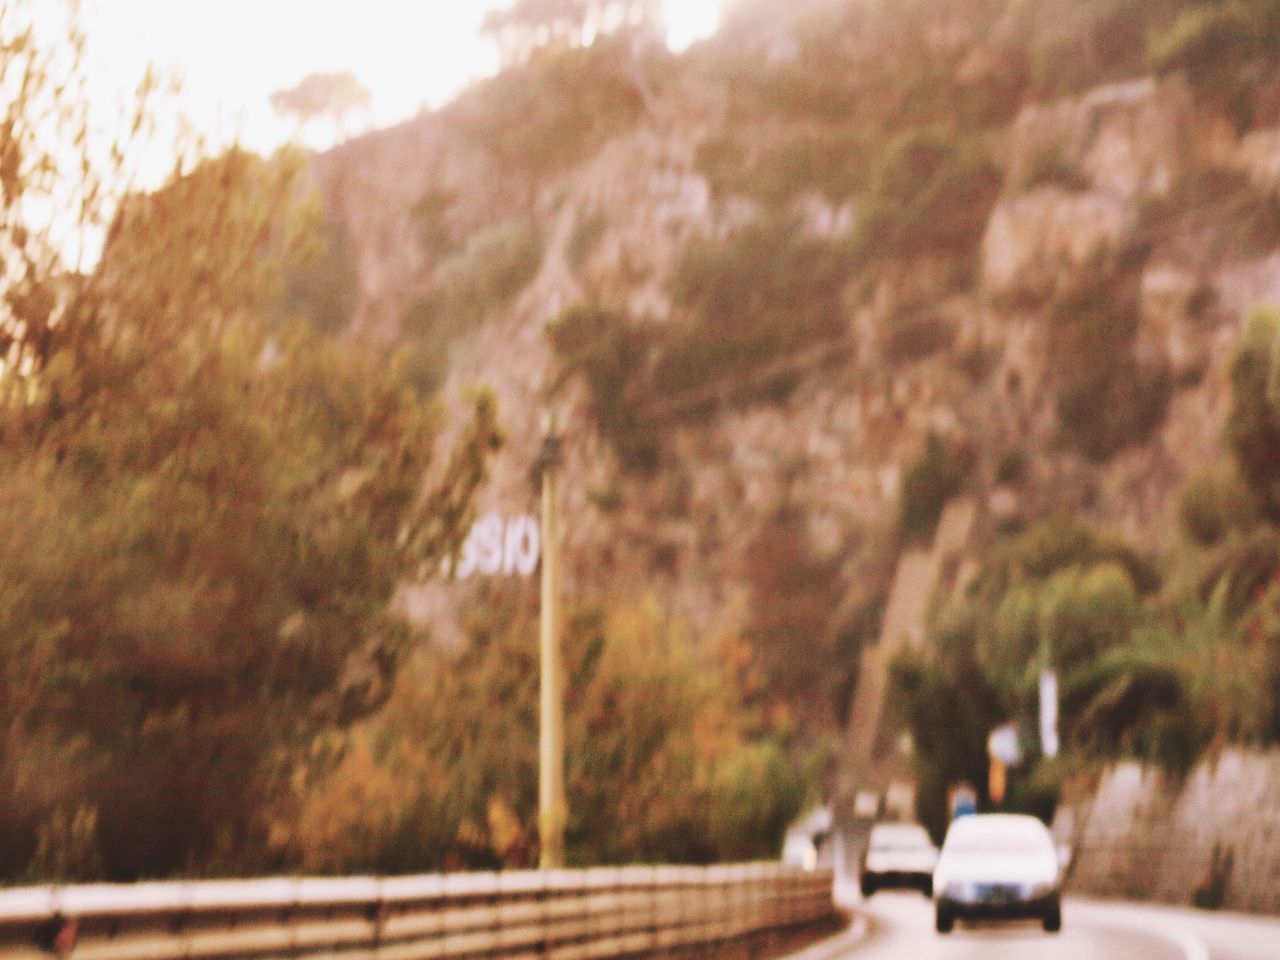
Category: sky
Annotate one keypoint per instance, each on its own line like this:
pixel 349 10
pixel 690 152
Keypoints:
pixel 232 54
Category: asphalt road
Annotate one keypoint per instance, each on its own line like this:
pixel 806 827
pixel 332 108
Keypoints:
pixel 900 927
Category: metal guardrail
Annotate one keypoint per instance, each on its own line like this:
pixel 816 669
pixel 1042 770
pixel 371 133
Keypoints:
pixel 532 915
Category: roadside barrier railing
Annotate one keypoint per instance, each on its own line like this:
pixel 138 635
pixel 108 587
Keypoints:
pixel 532 915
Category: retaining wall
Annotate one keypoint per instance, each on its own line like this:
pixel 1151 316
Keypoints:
pixel 1210 839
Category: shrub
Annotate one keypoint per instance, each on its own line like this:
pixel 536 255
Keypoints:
pixel 1073 48
pixel 662 764
pixel 1229 214
pixel 552 112
pixel 950 709
pixel 1253 422
pixel 916 334
pixel 612 357
pixel 431 215
pixel 1242 569
pixel 1058 542
pixel 929 193
pixel 318 280
pixel 933 480
pixel 1013 467
pixel 1214 503
pixel 753 300
pixel 1217 47
pixel 495 266
pixel 776 163
pixel 1106 399
pixel 1050 167
pixel 1101 414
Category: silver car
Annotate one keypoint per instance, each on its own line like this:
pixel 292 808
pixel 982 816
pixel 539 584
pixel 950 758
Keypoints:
pixel 997 866
pixel 898 855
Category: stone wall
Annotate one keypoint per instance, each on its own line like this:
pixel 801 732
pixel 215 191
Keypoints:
pixel 1210 839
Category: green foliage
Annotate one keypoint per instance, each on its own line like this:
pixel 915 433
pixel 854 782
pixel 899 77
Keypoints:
pixel 664 763
pixel 431 215
pixel 550 113
pixel 198 573
pixel 1215 503
pixel 764 294
pixel 1229 214
pixel 1219 47
pixel 915 334
pixel 1075 47
pixel 777 162
pixel 612 356
pixel 1253 422
pixel 1107 400
pixel 204 515
pixel 1085 612
pixel 880 64
pixel 934 479
pixel 1065 621
pixel 931 191
pixel 1175 691
pixel 950 709
pixel 1013 467
pixel 1243 567
pixel 1261 626
pixel 489 273
pixel 1050 167
pixel 1059 542
pixel 67 848
pixel 318 277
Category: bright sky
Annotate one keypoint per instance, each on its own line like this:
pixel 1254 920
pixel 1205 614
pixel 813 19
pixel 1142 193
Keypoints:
pixel 233 54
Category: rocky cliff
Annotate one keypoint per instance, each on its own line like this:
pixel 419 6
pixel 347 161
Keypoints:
pixel 853 245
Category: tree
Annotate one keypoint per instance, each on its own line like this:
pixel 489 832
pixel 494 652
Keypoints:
pixel 664 764
pixel 203 516
pixel 528 26
pixel 334 96
pixel 1253 423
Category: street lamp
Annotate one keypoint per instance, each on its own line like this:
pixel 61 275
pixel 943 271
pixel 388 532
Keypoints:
pixel 552 809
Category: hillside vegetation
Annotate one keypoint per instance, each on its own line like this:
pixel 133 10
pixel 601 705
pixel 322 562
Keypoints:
pixel 797 288
pixel 790 293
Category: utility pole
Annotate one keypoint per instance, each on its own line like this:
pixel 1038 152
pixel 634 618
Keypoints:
pixel 552 809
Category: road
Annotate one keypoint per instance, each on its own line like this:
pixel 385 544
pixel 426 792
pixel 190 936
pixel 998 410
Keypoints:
pixel 901 928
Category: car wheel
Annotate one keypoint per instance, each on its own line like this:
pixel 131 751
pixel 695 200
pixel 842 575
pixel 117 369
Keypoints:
pixel 868 886
pixel 1053 918
pixel 943 921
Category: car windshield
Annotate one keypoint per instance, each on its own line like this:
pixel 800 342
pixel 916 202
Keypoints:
pixel 899 838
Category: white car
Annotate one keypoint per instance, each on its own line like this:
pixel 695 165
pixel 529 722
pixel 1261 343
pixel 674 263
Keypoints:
pixel 898 855
pixel 997 866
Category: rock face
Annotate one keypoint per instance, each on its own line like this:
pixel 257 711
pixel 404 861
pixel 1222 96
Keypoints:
pixel 1081 175
pixel 1128 140
pixel 1036 241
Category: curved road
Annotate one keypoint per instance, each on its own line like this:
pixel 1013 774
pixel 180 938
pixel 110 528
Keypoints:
pixel 900 927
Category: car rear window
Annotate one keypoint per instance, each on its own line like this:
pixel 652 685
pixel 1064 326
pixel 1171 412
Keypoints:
pixel 998 838
pixel 899 838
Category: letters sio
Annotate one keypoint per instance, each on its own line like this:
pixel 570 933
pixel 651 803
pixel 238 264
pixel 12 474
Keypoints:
pixel 501 546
